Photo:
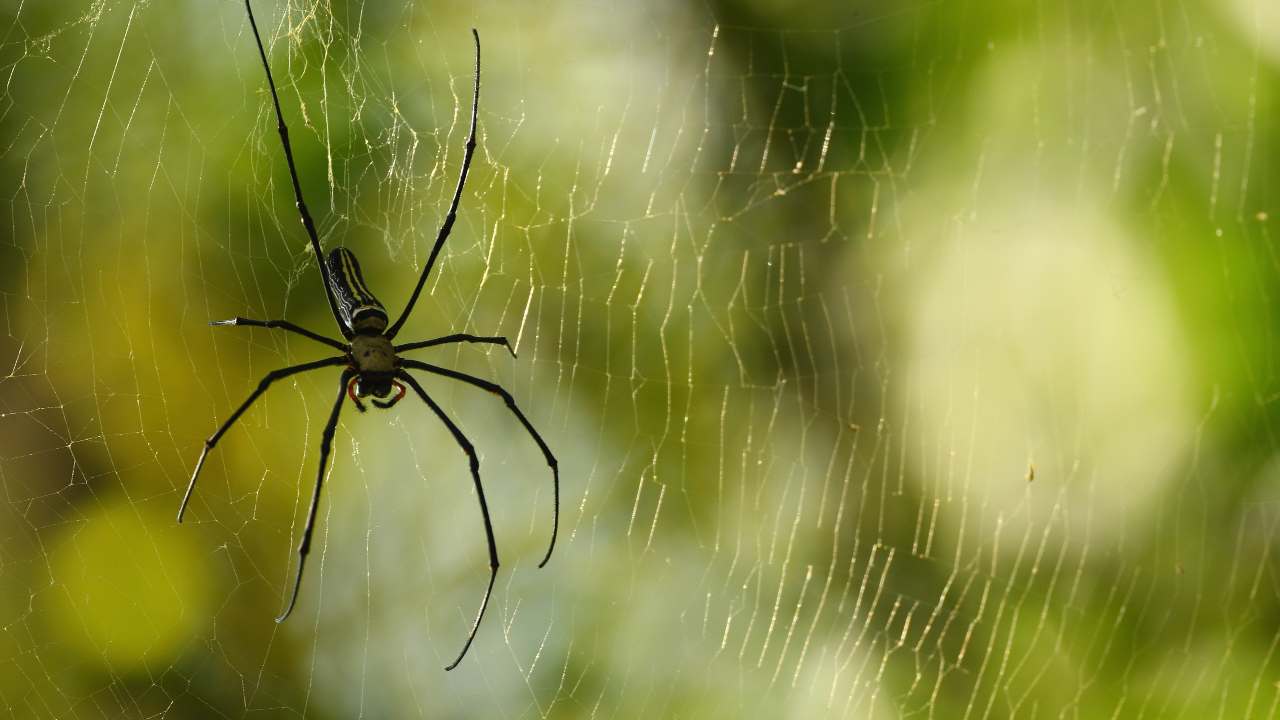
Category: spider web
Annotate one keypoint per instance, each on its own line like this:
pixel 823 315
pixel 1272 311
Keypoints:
pixel 901 360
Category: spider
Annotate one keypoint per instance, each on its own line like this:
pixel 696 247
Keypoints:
pixel 372 363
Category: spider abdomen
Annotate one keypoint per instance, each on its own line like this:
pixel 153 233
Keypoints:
pixel 361 311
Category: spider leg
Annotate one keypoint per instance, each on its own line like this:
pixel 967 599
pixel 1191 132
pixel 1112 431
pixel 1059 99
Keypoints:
pixel 447 226
pixel 326 443
pixel 271 377
pixel 307 222
pixel 283 325
pixel 456 338
pixel 484 506
pixel 511 404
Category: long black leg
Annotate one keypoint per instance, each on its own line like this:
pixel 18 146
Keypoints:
pixel 271 377
pixel 283 325
pixel 453 207
pixel 326 442
pixel 456 338
pixel 293 175
pixel 511 404
pixel 484 506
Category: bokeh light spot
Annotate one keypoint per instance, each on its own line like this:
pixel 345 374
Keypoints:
pixel 130 587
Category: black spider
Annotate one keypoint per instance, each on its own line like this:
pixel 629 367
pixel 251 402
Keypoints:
pixel 373 366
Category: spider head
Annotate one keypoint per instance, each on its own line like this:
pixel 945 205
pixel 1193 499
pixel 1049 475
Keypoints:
pixel 379 386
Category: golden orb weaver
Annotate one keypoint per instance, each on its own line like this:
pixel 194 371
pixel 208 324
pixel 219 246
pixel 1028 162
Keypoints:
pixel 373 366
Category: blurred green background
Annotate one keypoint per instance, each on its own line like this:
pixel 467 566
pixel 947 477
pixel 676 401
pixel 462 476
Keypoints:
pixel 902 359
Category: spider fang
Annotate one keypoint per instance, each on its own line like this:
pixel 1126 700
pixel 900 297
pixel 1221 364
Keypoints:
pixel 400 391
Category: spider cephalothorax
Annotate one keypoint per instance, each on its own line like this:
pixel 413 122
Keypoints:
pixel 372 363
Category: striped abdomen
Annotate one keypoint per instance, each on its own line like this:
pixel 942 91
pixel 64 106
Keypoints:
pixel 360 310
